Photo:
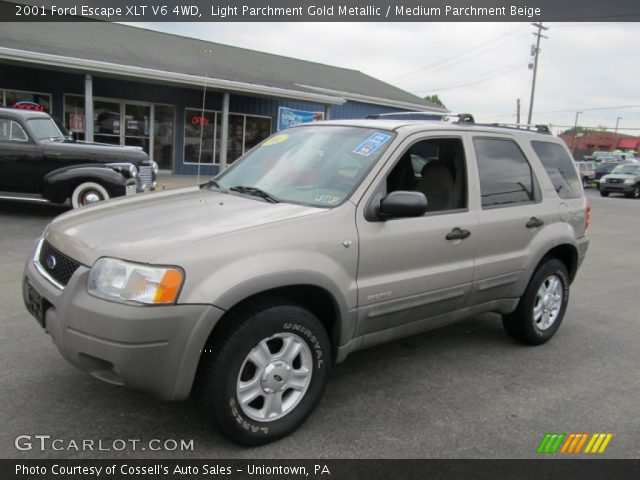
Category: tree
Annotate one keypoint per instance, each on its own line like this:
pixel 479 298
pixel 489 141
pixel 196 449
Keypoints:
pixel 435 100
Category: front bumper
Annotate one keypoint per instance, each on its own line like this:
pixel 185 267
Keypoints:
pixel 155 349
pixel 617 187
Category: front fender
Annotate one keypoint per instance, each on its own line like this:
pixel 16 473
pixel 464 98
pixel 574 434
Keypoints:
pixel 59 184
pixel 249 276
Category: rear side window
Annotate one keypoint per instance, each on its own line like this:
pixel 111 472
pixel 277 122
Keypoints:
pixel 559 167
pixel 11 131
pixel 506 177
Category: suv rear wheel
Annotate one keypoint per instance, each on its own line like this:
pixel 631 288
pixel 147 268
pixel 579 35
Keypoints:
pixel 604 193
pixel 265 371
pixel 541 308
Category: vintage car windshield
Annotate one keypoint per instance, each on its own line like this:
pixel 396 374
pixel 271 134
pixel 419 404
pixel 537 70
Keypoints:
pixel 627 169
pixel 312 165
pixel 44 128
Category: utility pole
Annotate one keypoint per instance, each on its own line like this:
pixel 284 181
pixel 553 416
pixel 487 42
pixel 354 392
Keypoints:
pixel 575 135
pixel 615 135
pixel 539 35
pixel 518 111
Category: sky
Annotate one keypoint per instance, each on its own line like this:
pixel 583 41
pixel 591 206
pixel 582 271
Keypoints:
pixel 478 68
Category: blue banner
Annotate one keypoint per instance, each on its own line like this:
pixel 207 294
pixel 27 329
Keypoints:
pixel 288 117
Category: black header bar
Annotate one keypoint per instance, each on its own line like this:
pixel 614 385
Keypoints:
pixel 321 10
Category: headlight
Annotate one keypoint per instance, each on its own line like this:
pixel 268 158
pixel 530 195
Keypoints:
pixel 154 165
pixel 629 181
pixel 133 170
pixel 127 282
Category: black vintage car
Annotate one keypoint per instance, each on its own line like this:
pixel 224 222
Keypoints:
pixel 39 163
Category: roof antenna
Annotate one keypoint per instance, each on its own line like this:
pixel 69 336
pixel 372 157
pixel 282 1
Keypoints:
pixel 204 96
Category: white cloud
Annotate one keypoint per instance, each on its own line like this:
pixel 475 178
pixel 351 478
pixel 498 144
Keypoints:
pixel 582 65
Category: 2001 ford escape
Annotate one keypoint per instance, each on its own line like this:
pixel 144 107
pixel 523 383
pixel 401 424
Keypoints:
pixel 325 239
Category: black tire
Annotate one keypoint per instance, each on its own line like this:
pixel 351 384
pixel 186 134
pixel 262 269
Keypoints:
pixel 604 193
pixel 521 324
pixel 87 193
pixel 585 182
pixel 225 361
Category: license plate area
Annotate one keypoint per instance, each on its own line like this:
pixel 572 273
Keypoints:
pixel 36 305
pixel 130 190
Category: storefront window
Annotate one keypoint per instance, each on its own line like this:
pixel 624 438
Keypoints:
pixel 74 115
pixel 199 132
pixel 137 124
pixel 106 121
pixel 11 97
pixel 256 130
pixel 163 136
pixel 235 139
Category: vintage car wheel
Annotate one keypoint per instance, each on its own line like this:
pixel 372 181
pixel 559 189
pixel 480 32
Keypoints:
pixel 87 193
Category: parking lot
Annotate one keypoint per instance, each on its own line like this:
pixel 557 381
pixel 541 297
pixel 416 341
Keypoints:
pixel 464 391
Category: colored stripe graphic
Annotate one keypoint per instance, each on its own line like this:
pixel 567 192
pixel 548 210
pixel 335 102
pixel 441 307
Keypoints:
pixel 572 443
pixel 598 443
pixel 550 443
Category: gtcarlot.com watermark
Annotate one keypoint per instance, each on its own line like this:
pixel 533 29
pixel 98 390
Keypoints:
pixel 44 443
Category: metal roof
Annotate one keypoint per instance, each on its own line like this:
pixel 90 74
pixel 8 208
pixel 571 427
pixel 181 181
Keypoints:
pixel 122 50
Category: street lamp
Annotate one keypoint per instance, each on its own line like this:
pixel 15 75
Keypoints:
pixel 575 135
pixel 615 135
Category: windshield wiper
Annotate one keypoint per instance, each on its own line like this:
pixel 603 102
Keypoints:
pixel 256 192
pixel 213 183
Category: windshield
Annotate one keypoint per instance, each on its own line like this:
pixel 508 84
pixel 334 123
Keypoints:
pixel 627 169
pixel 313 165
pixel 44 128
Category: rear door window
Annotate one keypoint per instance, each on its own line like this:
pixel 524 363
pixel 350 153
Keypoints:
pixel 506 178
pixel 560 168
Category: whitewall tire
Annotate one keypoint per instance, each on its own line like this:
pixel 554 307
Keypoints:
pixel 87 193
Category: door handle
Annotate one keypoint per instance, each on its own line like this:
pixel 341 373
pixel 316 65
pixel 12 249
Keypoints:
pixel 458 234
pixel 534 222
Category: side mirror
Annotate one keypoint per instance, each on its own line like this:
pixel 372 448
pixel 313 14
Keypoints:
pixel 403 204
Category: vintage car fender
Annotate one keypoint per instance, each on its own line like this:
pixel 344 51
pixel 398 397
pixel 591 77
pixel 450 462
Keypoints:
pixel 59 184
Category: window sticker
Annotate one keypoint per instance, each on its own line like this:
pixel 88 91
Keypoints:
pixel 277 139
pixel 371 144
pixel 328 199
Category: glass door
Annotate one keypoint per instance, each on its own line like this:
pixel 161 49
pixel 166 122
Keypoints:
pixel 137 124
pixel 106 122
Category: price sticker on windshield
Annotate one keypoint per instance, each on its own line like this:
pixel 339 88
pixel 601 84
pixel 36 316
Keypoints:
pixel 277 139
pixel 371 144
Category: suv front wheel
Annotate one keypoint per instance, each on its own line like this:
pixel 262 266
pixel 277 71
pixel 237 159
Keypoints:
pixel 264 372
pixel 541 308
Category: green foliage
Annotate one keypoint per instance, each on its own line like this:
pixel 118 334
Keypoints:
pixel 435 100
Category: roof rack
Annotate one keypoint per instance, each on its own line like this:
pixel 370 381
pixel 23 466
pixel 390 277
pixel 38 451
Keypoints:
pixel 462 117
pixel 521 126
pixel 465 118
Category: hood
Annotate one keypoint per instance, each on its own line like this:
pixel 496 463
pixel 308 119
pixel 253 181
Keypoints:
pixel 620 176
pixel 96 152
pixel 143 227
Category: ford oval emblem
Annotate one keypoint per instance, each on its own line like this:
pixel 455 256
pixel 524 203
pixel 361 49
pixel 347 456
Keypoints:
pixel 51 262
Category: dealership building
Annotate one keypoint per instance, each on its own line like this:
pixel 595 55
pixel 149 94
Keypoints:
pixel 191 104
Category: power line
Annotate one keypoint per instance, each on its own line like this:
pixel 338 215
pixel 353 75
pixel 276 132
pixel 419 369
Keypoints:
pixel 481 78
pixel 466 53
pixel 599 127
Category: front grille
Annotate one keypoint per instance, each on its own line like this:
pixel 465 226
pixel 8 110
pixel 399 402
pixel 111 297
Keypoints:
pixel 145 177
pixel 56 264
pixel 614 180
